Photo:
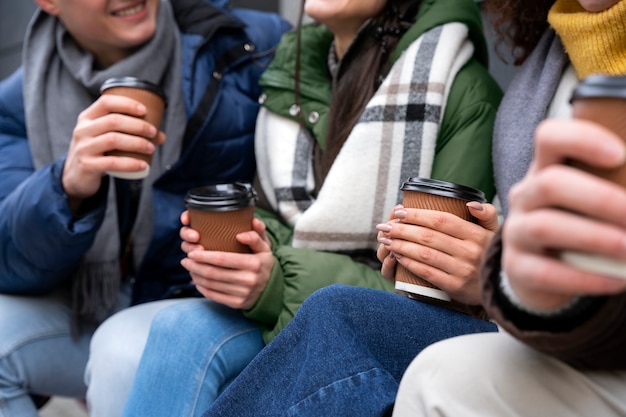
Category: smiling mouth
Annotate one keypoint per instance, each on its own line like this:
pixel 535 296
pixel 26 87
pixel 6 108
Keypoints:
pixel 130 10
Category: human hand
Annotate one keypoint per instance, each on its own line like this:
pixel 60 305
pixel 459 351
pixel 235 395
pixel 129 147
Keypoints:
pixel 384 255
pixel 233 279
pixel 439 247
pixel 111 122
pixel 558 207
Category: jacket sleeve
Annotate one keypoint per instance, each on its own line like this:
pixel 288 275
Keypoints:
pixel 463 153
pixel 40 241
pixel 588 335
pixel 297 274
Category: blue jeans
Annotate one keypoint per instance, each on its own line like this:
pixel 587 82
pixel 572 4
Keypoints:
pixel 193 351
pixel 343 354
pixel 38 354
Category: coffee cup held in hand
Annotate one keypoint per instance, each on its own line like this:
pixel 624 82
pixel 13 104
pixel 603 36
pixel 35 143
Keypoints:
pixel 430 194
pixel 153 98
pixel 219 212
pixel 601 99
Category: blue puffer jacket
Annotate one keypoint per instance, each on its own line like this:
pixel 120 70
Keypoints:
pixel 224 53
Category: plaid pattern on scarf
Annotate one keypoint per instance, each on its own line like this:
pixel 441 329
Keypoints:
pixel 394 139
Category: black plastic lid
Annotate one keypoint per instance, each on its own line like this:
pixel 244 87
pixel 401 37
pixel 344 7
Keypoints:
pixel 444 189
pixel 601 86
pixel 132 82
pixel 221 197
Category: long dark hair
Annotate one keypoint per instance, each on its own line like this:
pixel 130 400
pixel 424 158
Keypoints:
pixel 518 24
pixel 362 74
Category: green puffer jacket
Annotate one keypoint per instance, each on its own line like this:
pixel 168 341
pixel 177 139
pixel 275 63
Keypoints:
pixel 462 155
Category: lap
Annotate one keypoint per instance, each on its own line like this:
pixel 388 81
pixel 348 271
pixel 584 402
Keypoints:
pixel 217 342
pixel 37 350
pixel 155 333
pixel 126 331
pixel 474 368
pixel 383 313
pixel 201 326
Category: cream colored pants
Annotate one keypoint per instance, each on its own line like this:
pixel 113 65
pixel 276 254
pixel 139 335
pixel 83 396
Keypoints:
pixel 494 375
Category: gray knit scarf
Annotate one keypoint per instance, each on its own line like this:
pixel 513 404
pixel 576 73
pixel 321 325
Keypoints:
pixel 532 90
pixel 60 80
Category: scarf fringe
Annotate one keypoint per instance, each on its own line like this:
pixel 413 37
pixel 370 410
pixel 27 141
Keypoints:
pixel 95 295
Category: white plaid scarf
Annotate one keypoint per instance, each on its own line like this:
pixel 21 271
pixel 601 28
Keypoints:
pixel 394 139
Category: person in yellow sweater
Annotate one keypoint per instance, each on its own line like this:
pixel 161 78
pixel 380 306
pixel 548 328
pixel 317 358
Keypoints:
pixel 563 352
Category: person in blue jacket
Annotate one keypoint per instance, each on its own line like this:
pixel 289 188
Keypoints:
pixel 77 245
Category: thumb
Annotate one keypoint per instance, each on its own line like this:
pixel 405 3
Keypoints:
pixel 257 238
pixel 486 214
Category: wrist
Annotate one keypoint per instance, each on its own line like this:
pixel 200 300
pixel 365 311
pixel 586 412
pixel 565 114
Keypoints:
pixel 542 304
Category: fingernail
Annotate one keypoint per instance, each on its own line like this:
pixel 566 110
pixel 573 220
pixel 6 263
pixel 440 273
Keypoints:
pixel 396 255
pixel 613 149
pixel 475 205
pixel 385 241
pixel 401 214
pixel 383 227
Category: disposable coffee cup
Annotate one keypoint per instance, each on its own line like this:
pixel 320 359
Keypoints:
pixel 151 96
pixel 430 194
pixel 601 99
pixel 219 212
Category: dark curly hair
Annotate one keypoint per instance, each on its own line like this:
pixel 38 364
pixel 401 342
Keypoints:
pixel 518 24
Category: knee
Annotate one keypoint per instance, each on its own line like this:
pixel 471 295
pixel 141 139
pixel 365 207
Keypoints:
pixel 325 302
pixel 116 346
pixel 336 302
pixel 334 298
pixel 453 363
pixel 188 319
pixel 327 296
pixel 112 355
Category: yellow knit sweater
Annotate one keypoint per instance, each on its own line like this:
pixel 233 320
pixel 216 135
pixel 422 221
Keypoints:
pixel 595 42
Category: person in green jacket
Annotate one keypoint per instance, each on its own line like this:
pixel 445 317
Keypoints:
pixel 370 94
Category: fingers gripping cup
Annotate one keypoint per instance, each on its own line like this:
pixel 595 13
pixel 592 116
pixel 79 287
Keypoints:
pixel 151 96
pixel 219 212
pixel 425 193
pixel 601 99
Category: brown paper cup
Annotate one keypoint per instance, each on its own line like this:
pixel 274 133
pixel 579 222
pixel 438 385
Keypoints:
pixel 220 212
pixel 151 96
pixel 437 195
pixel 601 99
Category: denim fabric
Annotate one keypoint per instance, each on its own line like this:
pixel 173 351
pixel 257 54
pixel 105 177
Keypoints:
pixel 343 354
pixel 114 355
pixel 193 350
pixel 37 352
pixel 39 355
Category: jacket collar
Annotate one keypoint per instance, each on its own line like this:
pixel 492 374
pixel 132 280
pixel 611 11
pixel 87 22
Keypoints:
pixel 203 18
